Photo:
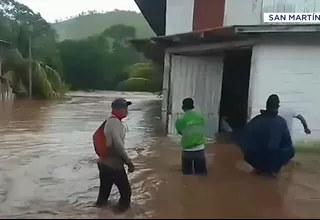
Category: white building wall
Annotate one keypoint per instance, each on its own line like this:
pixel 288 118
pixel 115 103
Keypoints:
pixel 179 16
pixel 201 79
pixel 250 12
pixel 293 72
pixel 246 12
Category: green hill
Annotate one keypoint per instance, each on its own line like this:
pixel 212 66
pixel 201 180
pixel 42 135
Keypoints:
pixel 86 25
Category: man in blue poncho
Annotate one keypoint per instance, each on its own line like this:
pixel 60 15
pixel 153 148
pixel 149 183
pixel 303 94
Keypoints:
pixel 267 145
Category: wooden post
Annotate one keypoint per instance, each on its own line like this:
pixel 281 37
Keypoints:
pixel 30 69
pixel 166 111
pixel 1 53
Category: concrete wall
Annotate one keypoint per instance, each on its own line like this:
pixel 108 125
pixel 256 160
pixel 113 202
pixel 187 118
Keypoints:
pixel 291 70
pixel 201 79
pixel 250 12
pixel 179 16
pixel 242 12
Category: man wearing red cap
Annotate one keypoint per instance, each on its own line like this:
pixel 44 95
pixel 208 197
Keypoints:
pixel 111 167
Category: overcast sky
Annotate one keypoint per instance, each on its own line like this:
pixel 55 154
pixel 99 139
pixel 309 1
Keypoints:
pixel 60 9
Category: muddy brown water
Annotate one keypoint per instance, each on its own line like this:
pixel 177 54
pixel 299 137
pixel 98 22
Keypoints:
pixel 48 170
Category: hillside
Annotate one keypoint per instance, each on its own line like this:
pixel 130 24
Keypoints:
pixel 86 25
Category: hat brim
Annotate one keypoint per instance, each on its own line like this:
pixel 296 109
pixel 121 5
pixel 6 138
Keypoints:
pixel 121 105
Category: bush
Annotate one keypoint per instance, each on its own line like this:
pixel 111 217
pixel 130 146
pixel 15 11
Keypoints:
pixel 144 72
pixel 135 84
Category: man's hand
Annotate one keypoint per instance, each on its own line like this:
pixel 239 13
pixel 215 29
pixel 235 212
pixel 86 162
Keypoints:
pixel 131 168
pixel 304 124
pixel 307 131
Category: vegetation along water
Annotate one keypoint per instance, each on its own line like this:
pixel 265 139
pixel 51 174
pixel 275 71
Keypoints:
pixel 96 56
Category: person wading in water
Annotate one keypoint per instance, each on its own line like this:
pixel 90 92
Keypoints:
pixel 111 164
pixel 192 128
pixel 268 145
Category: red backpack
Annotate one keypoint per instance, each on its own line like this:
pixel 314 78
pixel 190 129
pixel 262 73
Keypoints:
pixel 100 140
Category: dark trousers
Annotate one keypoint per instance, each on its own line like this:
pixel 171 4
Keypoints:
pixel 194 162
pixel 270 162
pixel 118 177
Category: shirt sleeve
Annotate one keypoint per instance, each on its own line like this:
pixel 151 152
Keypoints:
pixel 117 140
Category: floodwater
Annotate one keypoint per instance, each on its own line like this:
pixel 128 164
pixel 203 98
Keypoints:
pixel 48 170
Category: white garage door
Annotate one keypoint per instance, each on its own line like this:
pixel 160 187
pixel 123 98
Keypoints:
pixel 199 78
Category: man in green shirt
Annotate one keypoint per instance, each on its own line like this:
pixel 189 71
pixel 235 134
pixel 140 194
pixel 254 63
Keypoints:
pixel 192 128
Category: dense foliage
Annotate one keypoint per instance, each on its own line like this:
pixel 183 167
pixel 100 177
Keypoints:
pixel 103 61
pixel 99 62
pixel 143 76
pixel 19 24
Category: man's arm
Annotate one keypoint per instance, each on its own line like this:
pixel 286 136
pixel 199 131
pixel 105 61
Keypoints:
pixel 118 142
pixel 304 123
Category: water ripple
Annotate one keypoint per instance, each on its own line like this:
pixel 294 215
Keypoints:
pixel 47 159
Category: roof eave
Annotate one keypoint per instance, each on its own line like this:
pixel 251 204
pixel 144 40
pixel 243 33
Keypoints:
pixel 243 34
pixel 5 43
pixel 272 28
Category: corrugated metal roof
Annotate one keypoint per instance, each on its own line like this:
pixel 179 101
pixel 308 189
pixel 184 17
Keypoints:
pixel 196 37
pixel 154 48
pixel 231 33
pixel 217 35
pixel 2 42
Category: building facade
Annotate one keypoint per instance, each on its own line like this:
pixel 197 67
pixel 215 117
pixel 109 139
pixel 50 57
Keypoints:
pixel 229 58
pixel 169 17
pixel 283 63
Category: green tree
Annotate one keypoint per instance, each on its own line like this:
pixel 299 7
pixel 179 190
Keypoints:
pixel 99 62
pixel 84 63
pixel 17 24
pixel 143 77
pixel 120 32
